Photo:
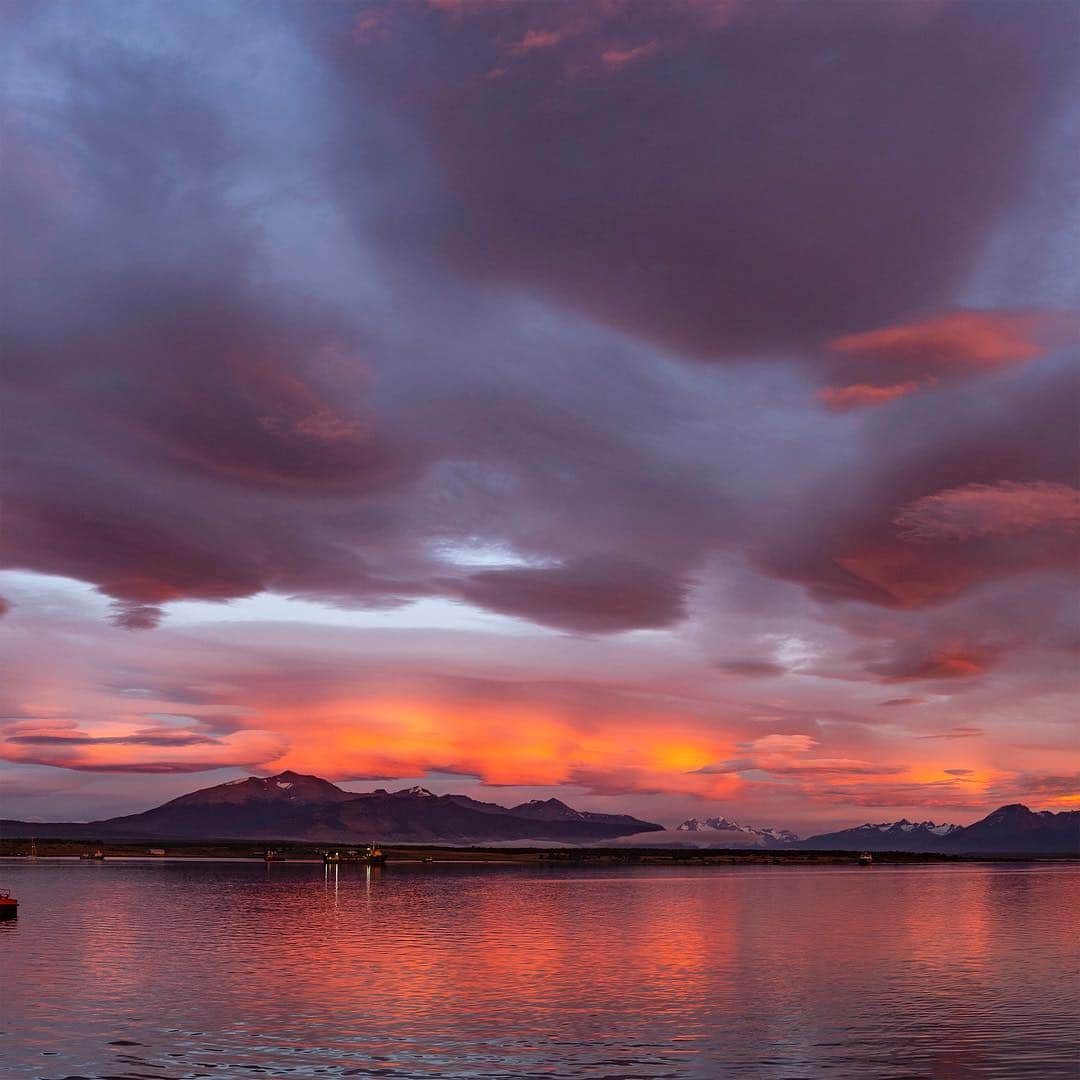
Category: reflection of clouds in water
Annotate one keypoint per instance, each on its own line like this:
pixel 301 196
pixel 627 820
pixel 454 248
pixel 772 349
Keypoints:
pixel 463 969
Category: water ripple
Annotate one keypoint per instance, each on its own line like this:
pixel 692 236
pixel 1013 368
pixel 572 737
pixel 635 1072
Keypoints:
pixel 177 970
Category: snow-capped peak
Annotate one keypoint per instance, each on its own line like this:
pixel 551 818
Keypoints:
pixel 942 830
pixel 785 836
pixel 722 824
pixel 903 825
pixel 700 824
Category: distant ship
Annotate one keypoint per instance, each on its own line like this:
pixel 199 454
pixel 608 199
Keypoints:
pixel 273 856
pixel 370 854
pixel 93 856
pixel 866 859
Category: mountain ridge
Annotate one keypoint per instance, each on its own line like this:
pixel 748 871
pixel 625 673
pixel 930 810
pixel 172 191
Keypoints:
pixel 1013 829
pixel 302 807
pixel 306 808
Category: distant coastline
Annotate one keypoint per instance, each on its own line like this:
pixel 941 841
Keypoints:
pixel 413 854
pixel 311 812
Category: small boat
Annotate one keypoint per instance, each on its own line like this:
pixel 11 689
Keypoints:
pixel 93 856
pixel 9 906
pixel 866 859
pixel 371 854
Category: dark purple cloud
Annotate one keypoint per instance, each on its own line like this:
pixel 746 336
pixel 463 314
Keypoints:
pixel 754 669
pixel 724 182
pixel 200 409
pixel 591 595
pixel 178 739
pixel 967 732
pixel 952 661
pixel 374 302
pixel 852 537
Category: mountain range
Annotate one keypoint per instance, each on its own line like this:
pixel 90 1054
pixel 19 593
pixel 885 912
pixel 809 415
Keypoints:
pixel 294 806
pixel 1009 830
pixel 902 835
pixel 764 836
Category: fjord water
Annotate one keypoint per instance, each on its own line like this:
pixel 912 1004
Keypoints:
pixel 220 969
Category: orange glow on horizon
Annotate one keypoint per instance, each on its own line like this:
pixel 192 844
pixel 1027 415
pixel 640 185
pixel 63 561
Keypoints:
pixel 508 744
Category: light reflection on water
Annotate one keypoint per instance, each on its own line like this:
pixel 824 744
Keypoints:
pixel 177 969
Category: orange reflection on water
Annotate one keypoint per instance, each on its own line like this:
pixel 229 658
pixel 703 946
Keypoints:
pixel 507 969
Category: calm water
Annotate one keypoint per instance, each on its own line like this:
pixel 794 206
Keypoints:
pixel 169 969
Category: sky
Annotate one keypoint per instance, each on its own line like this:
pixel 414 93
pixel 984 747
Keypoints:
pixel 671 408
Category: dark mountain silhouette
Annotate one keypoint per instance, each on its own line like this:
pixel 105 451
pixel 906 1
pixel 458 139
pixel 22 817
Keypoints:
pixel 900 835
pixel 554 810
pixel 292 806
pixel 1009 830
pixel 1014 829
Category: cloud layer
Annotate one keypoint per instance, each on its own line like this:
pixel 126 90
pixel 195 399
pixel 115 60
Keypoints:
pixel 672 336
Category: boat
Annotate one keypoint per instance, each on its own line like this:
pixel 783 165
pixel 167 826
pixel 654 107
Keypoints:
pixel 9 906
pixel 370 855
pixel 273 856
pixel 93 856
pixel 866 859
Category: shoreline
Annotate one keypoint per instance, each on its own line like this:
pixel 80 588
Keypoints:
pixel 422 854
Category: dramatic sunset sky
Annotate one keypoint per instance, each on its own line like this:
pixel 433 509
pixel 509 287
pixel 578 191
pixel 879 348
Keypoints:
pixel 669 405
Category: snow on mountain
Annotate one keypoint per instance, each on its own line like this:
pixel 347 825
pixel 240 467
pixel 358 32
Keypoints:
pixel 698 824
pixel 287 787
pixel 766 835
pixel 781 836
pixel 902 835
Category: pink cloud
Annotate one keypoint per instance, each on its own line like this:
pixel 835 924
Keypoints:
pixel 783 743
pixel 613 59
pixel 949 346
pixel 986 510
pixel 860 395
pixel 959 340
pixel 955 661
pixel 535 40
pixel 126 747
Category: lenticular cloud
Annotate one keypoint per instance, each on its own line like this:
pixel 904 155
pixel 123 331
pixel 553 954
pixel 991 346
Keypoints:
pixel 1005 509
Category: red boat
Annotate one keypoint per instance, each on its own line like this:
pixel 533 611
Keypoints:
pixel 9 906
